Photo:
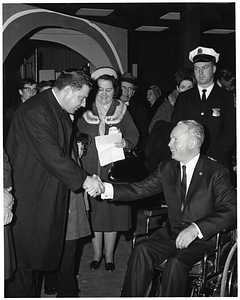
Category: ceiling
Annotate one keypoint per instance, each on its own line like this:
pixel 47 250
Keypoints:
pixel 133 15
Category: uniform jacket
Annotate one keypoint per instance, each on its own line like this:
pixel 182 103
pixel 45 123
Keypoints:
pixel 38 146
pixel 210 200
pixel 217 115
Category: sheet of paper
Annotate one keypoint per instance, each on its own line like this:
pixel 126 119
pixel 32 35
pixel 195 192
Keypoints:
pixel 107 152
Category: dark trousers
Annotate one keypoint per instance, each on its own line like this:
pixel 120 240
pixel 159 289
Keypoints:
pixel 63 279
pixel 150 253
pixel 26 283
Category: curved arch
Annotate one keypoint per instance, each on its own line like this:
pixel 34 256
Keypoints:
pixel 81 43
pixel 17 26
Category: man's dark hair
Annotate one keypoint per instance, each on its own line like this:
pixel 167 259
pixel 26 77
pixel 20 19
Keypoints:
pixel 24 81
pixel 74 78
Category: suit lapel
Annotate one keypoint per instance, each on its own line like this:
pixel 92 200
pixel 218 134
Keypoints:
pixel 67 129
pixel 176 181
pixel 197 175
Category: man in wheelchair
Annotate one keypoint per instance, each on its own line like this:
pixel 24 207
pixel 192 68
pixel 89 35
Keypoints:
pixel 201 202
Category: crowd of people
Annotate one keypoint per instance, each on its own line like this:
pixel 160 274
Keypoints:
pixel 56 189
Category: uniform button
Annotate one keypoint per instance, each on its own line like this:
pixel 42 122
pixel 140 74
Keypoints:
pixel 202 113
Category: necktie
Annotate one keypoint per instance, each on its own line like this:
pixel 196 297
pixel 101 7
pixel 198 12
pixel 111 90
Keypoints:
pixel 183 186
pixel 204 95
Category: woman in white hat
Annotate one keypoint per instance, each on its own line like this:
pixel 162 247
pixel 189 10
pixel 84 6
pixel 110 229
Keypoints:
pixel 106 218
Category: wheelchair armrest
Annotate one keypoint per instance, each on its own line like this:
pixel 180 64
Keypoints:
pixel 156 212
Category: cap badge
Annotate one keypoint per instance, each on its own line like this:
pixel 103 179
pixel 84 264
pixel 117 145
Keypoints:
pixel 200 51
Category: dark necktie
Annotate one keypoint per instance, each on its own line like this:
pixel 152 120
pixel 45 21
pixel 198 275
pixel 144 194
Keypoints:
pixel 204 95
pixel 183 186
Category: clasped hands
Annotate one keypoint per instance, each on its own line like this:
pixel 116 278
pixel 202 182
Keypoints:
pixel 94 186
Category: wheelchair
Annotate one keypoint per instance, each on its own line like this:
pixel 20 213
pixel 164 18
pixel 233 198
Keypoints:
pixel 213 276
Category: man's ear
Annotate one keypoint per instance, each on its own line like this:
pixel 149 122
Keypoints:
pixel 193 143
pixel 133 92
pixel 20 92
pixel 214 69
pixel 66 90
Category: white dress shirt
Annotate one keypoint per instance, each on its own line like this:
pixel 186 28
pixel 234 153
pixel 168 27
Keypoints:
pixel 208 90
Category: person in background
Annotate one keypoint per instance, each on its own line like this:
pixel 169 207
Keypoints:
pixel 137 110
pixel 63 282
pixel 104 112
pixel 154 100
pixel 184 80
pixel 8 202
pixel 210 105
pixel 39 149
pixel 227 80
pixel 27 88
pixel 44 85
pixel 201 202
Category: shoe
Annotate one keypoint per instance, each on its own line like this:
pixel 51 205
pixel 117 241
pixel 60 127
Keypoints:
pixel 109 266
pixel 94 265
pixel 50 290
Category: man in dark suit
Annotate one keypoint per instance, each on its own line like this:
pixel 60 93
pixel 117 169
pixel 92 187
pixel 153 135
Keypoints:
pixel 39 148
pixel 215 111
pixel 201 202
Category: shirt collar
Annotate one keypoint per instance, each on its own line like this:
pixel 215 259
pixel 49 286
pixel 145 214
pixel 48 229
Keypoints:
pixel 192 163
pixel 209 89
pixel 56 97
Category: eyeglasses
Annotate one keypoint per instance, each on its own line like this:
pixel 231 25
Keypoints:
pixel 30 89
pixel 127 89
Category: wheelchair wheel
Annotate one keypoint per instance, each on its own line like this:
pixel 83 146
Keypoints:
pixel 229 282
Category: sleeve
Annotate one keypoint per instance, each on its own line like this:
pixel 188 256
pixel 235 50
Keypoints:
pixel 6 171
pixel 130 132
pixel 150 186
pixel 225 213
pixel 227 140
pixel 178 110
pixel 163 113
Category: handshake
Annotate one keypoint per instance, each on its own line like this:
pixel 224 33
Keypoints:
pixel 94 186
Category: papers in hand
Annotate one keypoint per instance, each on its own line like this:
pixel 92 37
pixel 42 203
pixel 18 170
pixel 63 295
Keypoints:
pixel 107 152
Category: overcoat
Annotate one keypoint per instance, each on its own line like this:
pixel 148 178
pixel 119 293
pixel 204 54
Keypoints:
pixel 210 200
pixel 38 146
pixel 218 116
pixel 9 253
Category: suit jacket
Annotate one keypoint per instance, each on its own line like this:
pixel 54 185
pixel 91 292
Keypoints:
pixel 210 201
pixel 38 146
pixel 217 115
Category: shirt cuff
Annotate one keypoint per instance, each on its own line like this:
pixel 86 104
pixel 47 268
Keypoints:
pixel 200 236
pixel 108 194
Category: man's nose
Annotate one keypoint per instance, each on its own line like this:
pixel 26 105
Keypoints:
pixel 83 103
pixel 170 143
